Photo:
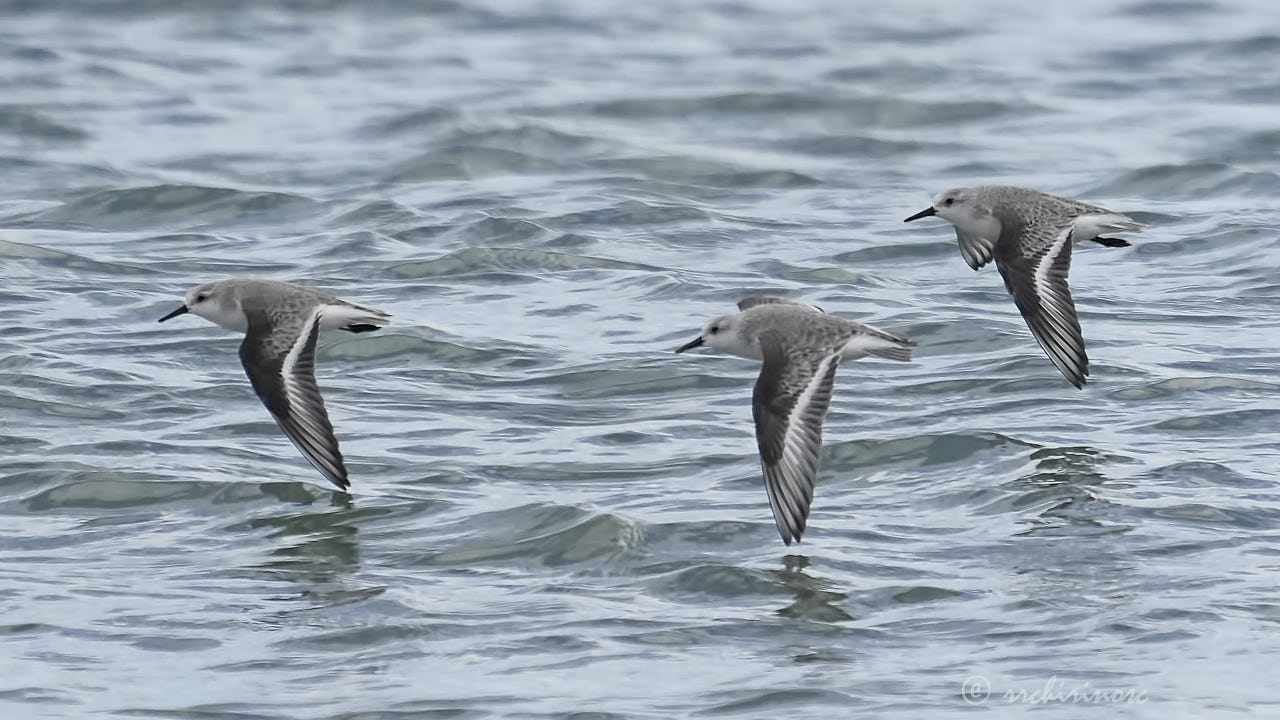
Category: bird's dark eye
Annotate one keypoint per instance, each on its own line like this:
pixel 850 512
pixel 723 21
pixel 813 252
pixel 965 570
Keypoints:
pixel 949 202
pixel 714 329
pixel 201 298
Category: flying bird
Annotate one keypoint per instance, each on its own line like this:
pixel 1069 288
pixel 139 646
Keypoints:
pixel 800 347
pixel 281 322
pixel 1029 235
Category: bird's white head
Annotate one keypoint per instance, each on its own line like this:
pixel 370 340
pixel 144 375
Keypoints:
pixel 723 333
pixel 218 302
pixel 964 208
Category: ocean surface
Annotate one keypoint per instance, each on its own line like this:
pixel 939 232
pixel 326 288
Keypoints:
pixel 552 515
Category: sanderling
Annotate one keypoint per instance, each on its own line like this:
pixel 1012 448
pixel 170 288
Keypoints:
pixel 1029 234
pixel 801 347
pixel 281 322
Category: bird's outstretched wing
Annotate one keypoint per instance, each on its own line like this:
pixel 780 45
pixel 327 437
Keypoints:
pixel 755 300
pixel 280 360
pixel 1034 261
pixel 789 403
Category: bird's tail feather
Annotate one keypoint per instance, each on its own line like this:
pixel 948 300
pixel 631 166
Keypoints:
pixel 881 344
pixel 901 353
pixel 355 318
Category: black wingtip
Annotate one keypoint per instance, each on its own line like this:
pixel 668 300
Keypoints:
pixel 1112 242
pixel 1077 380
pixel 790 534
pixel 361 327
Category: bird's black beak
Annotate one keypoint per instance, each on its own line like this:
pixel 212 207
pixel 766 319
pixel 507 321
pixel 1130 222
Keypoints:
pixel 180 311
pixel 922 214
pixel 690 345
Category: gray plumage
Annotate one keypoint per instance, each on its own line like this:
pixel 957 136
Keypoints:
pixel 1030 236
pixel 757 300
pixel 800 348
pixel 281 322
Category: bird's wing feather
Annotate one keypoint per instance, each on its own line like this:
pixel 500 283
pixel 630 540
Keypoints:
pixel 976 249
pixel 756 300
pixel 1034 263
pixel 279 358
pixel 789 403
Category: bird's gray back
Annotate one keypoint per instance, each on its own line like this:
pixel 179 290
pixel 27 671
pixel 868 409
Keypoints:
pixel 1023 206
pixel 278 297
pixel 799 326
pixel 276 311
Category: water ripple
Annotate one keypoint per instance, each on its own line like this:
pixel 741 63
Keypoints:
pixel 553 514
